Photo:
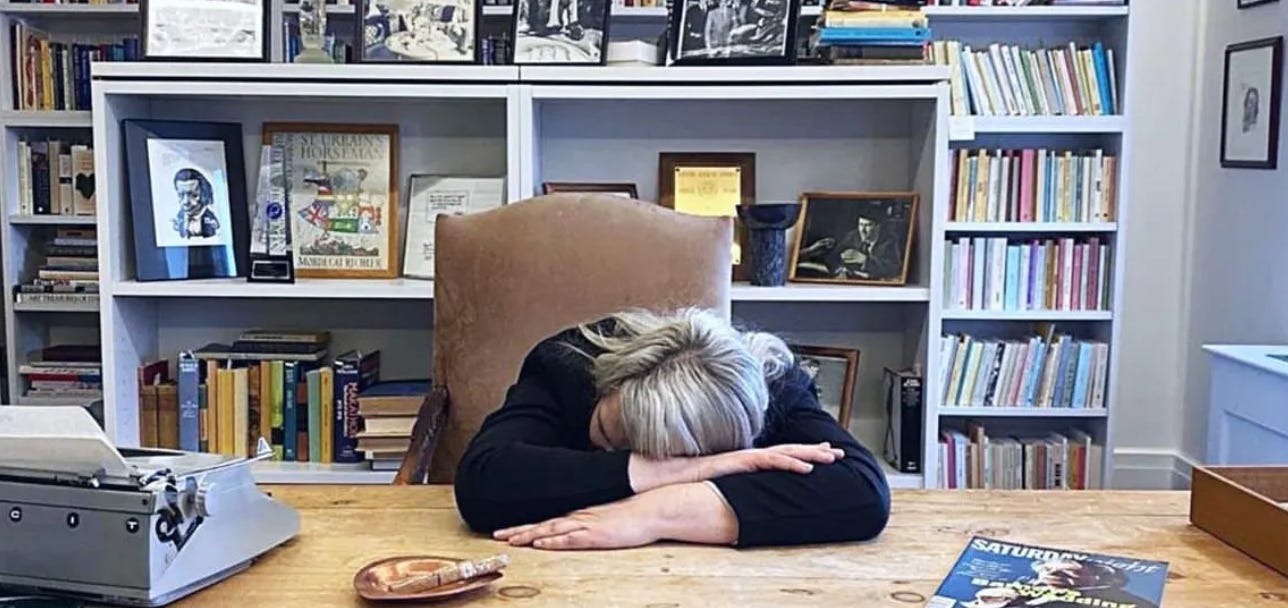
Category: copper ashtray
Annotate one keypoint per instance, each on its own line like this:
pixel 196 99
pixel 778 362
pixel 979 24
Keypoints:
pixel 411 578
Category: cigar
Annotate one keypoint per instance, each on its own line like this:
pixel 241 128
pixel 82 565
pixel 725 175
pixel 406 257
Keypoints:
pixel 459 571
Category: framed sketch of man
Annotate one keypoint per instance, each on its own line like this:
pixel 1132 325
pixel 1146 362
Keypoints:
pixel 560 32
pixel 1250 104
pixel 833 371
pixel 733 31
pixel 189 192
pixel 846 237
pixel 419 31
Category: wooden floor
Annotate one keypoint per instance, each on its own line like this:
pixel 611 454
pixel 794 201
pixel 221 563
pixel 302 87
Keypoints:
pixel 344 528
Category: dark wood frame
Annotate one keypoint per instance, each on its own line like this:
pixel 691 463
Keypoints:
pixel 390 130
pixel 553 187
pixel 746 161
pixel 1276 44
pixel 514 37
pixel 851 356
pixel 1242 4
pixel 360 24
pixel 857 196
pixel 265 53
pixel 674 17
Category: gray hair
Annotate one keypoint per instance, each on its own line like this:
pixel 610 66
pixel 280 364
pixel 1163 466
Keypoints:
pixel 688 382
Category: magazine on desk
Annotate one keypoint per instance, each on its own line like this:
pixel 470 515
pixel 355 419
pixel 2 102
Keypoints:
pixel 996 574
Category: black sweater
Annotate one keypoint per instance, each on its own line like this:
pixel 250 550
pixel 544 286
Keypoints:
pixel 533 460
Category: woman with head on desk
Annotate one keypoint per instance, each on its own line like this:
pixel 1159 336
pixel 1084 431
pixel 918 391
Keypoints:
pixel 644 427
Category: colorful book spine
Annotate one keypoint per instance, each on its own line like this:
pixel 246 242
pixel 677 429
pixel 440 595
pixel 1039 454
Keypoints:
pixel 290 429
pixel 314 380
pixel 353 373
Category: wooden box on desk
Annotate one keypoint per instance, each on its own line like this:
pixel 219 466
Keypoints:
pixel 1244 506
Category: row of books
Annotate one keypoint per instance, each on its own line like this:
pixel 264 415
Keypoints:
pixel 54 75
pixel 852 35
pixel 69 272
pixel 1059 461
pixel 61 374
pixel 997 273
pixel 1006 80
pixel 1040 372
pixel 56 178
pixel 1034 185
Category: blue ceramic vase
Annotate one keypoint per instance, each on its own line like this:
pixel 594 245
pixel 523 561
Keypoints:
pixel 767 226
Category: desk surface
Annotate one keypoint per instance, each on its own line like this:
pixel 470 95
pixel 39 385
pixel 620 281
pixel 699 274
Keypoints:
pixel 344 528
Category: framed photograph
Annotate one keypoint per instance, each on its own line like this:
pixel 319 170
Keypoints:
pixel 626 190
pixel 1250 3
pixel 711 184
pixel 187 199
pixel 560 32
pixel 429 196
pixel 833 371
pixel 857 238
pixel 1250 104
pixel 342 197
pixel 419 31
pixel 746 32
pixel 205 30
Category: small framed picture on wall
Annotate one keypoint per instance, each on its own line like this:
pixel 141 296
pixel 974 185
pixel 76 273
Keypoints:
pixel 1250 104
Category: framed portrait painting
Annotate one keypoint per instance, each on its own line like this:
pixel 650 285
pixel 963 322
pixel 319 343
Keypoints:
pixel 625 190
pixel 857 238
pixel 205 30
pixel 710 184
pixel 733 32
pixel 419 31
pixel 833 371
pixel 187 197
pixel 342 193
pixel 560 32
pixel 1250 104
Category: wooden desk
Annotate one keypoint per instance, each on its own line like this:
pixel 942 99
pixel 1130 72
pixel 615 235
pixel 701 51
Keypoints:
pixel 344 528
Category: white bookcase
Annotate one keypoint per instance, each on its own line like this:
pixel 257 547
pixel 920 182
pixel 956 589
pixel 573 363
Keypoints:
pixel 877 128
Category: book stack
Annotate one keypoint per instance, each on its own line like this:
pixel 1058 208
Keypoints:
pixel 69 274
pixel 1000 274
pixel 1059 461
pixel 56 178
pixel 856 32
pixel 54 75
pixel 388 412
pixel 1040 372
pixel 63 374
pixel 1006 80
pixel 1034 186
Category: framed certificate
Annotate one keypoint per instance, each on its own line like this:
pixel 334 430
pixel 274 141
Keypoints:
pixel 711 184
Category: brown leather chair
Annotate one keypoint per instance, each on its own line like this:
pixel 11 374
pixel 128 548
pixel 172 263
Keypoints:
pixel 507 278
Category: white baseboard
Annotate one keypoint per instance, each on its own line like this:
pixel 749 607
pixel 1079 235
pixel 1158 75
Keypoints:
pixel 1151 469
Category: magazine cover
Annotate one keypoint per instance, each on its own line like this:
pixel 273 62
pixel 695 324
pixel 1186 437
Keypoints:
pixel 995 574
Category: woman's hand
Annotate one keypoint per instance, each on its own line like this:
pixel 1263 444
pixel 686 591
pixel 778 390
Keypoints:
pixel 617 525
pixel 793 457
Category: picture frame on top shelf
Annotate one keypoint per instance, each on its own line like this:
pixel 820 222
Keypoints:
pixel 1252 88
pixel 419 31
pixel 710 184
pixel 622 189
pixel 854 238
pixel 705 32
pixel 429 196
pixel 342 197
pixel 186 184
pixel 834 372
pixel 205 30
pixel 559 32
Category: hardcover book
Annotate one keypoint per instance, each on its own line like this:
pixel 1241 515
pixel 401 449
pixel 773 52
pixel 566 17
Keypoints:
pixel 354 372
pixel 996 574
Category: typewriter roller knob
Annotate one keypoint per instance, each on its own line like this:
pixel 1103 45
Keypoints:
pixel 208 500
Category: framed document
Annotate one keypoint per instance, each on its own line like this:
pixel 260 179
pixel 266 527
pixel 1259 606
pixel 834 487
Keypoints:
pixel 430 196
pixel 712 184
pixel 205 30
pixel 341 194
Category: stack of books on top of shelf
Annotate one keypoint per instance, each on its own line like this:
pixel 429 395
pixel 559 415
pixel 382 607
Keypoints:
pixel 388 412
pixel 1002 275
pixel 857 32
pixel 1040 372
pixel 54 75
pixel 1033 186
pixel 63 374
pixel 56 178
pixel 69 275
pixel 1059 461
pixel 1006 80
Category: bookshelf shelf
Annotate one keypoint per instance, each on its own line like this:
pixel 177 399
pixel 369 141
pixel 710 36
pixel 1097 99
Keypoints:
pixel 1030 227
pixel 801 292
pixel 1020 412
pixel 52 220
pixel 45 307
pixel 314 473
pixel 1023 13
pixel 966 128
pixel 1028 315
pixel 58 119
pixel 86 11
pixel 55 401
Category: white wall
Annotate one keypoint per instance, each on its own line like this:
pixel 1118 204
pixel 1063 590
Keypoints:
pixel 1238 253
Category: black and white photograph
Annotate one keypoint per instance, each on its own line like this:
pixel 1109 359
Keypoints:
pixel 1250 109
pixel 833 371
pixel 734 31
pixel 205 30
pixel 854 238
pixel 420 31
pixel 560 32
pixel 189 192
